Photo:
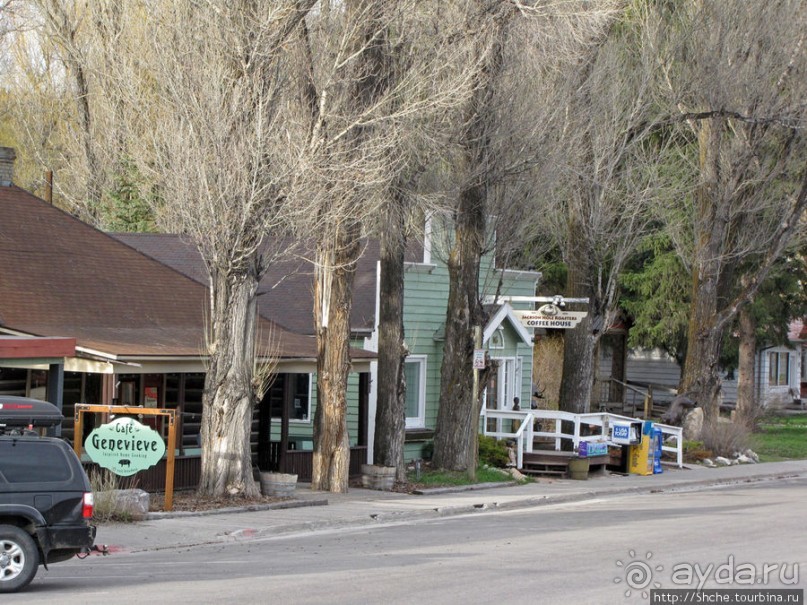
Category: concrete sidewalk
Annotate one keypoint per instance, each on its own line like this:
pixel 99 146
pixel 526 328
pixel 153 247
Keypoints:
pixel 361 507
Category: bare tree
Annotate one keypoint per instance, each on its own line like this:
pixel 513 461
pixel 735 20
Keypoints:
pixel 210 100
pixel 414 194
pixel 363 85
pixel 734 77
pixel 69 116
pixel 598 177
pixel 492 147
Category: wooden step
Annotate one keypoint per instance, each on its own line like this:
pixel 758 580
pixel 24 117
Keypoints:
pixel 547 463
pixel 554 463
pixel 544 472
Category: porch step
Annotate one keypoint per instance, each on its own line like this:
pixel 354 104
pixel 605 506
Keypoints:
pixel 546 463
pixel 552 463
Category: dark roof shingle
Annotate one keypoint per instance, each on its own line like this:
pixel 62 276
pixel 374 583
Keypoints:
pixel 62 277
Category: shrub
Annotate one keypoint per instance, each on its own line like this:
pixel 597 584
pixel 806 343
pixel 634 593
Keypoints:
pixel 725 438
pixel 492 452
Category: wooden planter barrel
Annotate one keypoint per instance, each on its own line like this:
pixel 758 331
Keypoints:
pixel 377 477
pixel 278 484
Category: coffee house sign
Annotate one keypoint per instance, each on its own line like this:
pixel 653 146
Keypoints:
pixel 125 446
pixel 550 316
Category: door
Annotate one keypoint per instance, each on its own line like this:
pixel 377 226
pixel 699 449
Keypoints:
pixel 501 388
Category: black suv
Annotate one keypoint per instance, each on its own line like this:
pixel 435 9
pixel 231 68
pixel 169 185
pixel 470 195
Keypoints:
pixel 46 501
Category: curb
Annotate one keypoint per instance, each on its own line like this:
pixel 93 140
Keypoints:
pixel 436 491
pixel 235 509
pixel 548 499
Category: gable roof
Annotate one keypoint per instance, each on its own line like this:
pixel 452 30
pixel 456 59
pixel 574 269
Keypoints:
pixel 62 277
pixel 505 312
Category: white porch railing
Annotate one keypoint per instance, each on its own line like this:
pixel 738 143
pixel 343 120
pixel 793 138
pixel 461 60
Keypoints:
pixel 598 428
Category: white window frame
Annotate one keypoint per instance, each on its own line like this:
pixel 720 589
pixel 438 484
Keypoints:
pixel 496 342
pixel 508 386
pixel 419 421
pixel 774 369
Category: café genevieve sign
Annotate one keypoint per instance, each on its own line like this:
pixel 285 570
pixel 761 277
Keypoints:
pixel 124 446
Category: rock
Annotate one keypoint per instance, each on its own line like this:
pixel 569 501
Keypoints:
pixel 515 474
pixel 132 503
pixel 743 459
pixel 751 454
pixel 721 461
pixel 693 425
pixel 677 410
pixel 707 462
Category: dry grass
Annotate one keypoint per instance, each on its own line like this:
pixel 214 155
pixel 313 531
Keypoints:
pixel 104 483
pixel 725 438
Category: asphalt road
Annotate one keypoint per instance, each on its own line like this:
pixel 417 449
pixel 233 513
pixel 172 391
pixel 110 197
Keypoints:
pixel 588 552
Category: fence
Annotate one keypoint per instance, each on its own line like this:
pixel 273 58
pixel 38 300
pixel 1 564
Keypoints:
pixel 595 426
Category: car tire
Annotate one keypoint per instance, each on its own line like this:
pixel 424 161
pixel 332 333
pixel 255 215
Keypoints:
pixel 19 558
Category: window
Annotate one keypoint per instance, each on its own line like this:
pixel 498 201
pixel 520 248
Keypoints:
pixel 778 369
pixel 296 389
pixel 33 461
pixel 497 339
pixel 301 398
pixel 415 374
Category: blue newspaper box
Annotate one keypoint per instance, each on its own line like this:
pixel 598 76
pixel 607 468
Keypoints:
pixel 657 443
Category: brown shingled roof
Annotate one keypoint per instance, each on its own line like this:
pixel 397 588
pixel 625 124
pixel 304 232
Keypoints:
pixel 62 277
pixel 285 295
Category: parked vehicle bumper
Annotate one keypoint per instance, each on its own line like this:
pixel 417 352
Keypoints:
pixel 65 541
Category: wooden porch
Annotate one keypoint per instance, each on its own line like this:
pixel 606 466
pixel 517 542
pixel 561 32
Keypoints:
pixel 553 463
pixel 301 462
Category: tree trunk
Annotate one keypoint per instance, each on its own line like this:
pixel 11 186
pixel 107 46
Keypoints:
pixel 228 396
pixel 700 380
pixel 456 419
pixel 390 423
pixel 333 296
pixel 456 433
pixel 578 369
pixel 747 410
pixel 578 342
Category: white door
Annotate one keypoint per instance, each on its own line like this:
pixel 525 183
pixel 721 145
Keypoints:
pixel 507 383
pixel 501 389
